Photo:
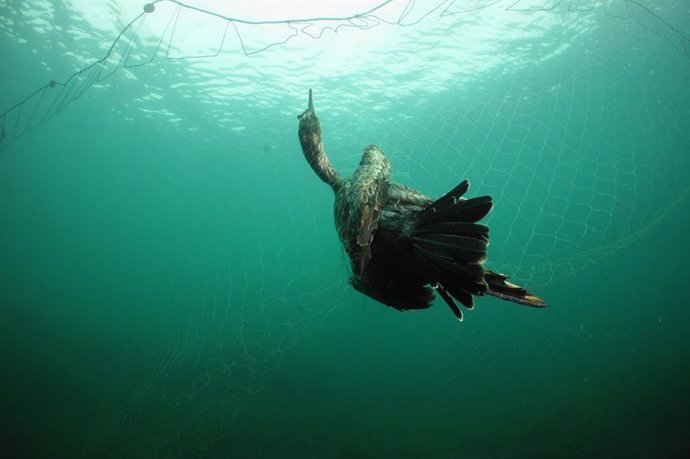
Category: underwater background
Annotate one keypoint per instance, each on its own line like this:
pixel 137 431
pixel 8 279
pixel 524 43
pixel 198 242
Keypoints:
pixel 172 285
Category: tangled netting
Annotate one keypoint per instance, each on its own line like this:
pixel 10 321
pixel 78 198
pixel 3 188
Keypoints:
pixel 256 36
pixel 577 159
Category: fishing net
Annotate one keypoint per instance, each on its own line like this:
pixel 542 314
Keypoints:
pixel 542 104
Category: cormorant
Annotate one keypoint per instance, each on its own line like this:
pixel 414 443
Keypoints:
pixel 404 245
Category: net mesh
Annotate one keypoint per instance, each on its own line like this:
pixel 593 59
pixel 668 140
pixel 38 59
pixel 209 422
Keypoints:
pixel 519 126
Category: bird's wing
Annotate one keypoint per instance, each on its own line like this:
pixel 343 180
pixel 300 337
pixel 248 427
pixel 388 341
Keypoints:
pixel 369 222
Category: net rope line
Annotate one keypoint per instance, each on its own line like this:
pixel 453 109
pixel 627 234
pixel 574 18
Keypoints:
pixel 245 375
pixel 14 122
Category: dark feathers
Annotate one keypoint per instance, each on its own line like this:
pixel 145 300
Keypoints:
pixel 403 245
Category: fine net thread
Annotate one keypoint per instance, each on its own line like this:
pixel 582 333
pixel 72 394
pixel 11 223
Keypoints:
pixel 516 137
pixel 52 98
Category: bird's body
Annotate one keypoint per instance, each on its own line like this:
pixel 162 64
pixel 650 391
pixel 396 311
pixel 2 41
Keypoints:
pixel 404 245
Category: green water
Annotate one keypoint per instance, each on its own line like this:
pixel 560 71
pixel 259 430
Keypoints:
pixel 171 283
